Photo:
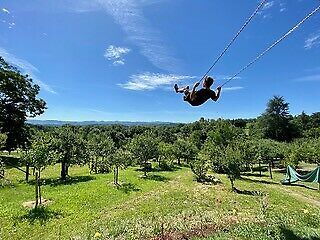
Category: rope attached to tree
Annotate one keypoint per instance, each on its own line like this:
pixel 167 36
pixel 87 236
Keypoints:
pixel 273 45
pixel 235 37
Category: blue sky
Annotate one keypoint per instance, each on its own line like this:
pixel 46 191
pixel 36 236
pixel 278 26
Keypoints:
pixel 118 59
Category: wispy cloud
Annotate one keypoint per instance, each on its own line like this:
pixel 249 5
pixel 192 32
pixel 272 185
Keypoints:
pixel 312 41
pixel 26 67
pixel 116 54
pixel 129 15
pixel 268 5
pixel 232 88
pixel 5 10
pixel 309 78
pixel 151 81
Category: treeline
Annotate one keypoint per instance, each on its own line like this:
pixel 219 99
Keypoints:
pixel 222 146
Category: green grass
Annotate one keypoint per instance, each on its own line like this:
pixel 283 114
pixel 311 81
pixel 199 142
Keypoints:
pixel 90 207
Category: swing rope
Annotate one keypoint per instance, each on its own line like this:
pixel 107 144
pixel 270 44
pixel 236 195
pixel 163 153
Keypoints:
pixel 273 45
pixel 235 37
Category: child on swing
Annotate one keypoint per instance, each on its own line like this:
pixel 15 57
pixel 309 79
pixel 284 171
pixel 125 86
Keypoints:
pixel 199 97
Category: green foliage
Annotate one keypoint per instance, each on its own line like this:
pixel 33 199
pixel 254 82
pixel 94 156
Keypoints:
pixel 71 147
pixel 166 155
pixel 200 166
pixel 276 122
pixel 100 148
pixel 18 100
pixel 184 150
pixel 143 148
pixel 41 153
pixel 120 159
pixel 3 139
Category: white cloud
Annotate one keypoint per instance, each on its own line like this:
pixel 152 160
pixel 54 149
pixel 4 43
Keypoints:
pixel 309 78
pixel 232 88
pixel 151 81
pixel 129 15
pixel 5 10
pixel 268 5
pixel 312 41
pixel 27 67
pixel 116 54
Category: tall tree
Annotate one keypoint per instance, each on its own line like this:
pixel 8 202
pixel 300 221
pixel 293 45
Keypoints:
pixel 71 148
pixel 275 121
pixel 18 101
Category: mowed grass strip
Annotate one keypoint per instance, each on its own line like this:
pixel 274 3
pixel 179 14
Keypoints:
pixel 168 205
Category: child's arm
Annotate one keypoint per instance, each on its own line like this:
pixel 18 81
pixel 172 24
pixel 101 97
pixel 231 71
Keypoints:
pixel 192 94
pixel 217 94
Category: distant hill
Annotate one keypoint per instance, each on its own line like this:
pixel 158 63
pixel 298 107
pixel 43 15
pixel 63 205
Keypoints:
pixel 87 123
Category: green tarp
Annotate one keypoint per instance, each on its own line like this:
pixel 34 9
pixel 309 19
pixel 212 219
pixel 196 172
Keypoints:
pixel 292 176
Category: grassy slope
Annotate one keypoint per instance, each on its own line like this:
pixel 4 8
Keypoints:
pixel 91 205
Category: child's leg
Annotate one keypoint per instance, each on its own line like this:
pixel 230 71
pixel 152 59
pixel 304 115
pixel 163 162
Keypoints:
pixel 181 90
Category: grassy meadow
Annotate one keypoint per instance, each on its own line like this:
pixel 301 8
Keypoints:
pixel 165 205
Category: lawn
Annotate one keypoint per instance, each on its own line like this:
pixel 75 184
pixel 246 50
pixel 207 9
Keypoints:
pixel 166 205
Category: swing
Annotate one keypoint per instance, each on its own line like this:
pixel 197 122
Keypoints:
pixel 259 56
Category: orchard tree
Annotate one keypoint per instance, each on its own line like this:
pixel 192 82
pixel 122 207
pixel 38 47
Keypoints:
pixel 39 156
pixel 184 150
pixel 71 148
pixel 166 155
pixel 144 148
pixel 200 166
pixel 121 159
pixel 18 101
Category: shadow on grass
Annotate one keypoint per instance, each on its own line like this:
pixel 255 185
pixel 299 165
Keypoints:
pixel 290 235
pixel 258 181
pixel 166 169
pixel 127 188
pixel 247 192
pixel 301 185
pixel 54 182
pixel 40 214
pixel 254 174
pixel 155 177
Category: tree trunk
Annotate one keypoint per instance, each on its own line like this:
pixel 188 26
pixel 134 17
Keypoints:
pixel 37 192
pixel 64 170
pixel 232 184
pixel 117 174
pixel 27 172
pixel 260 168
pixel 145 169
pixel 179 162
pixel 270 169
pixel 39 188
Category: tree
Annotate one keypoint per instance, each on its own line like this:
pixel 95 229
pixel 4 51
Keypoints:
pixel 120 159
pixel 275 121
pixel 39 156
pixel 3 139
pixel 71 148
pixel 100 147
pixel 232 163
pixel 200 166
pixel 18 101
pixel 166 155
pixel 184 150
pixel 144 148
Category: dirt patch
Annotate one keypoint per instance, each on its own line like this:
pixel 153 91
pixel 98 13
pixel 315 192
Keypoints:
pixel 32 204
pixel 204 230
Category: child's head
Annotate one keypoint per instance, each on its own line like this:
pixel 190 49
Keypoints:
pixel 208 81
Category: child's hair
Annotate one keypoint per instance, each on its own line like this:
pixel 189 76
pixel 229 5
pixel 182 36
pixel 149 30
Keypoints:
pixel 209 81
